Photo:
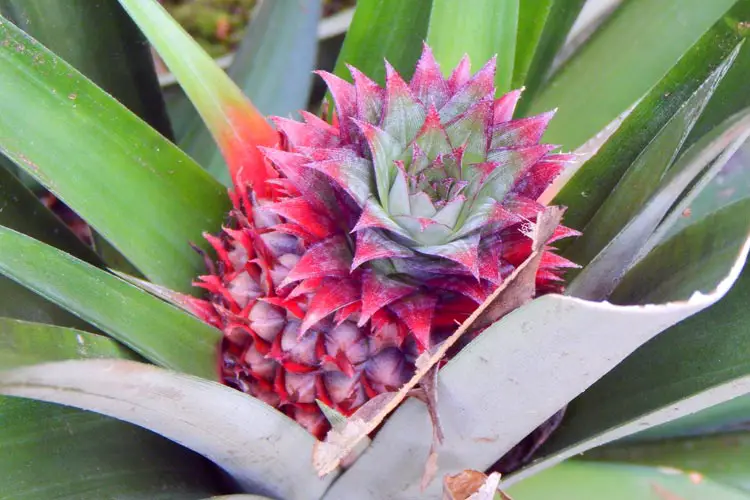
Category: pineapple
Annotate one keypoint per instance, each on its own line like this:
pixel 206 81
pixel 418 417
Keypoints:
pixel 371 238
pixel 356 244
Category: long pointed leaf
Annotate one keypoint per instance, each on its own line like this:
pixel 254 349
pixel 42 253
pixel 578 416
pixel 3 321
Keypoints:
pixel 479 28
pixel 543 355
pixel 22 211
pixel 273 67
pixel 577 480
pixel 725 417
pixel 542 28
pixel 592 184
pixel 693 365
pixel 602 274
pixel 90 35
pixel 23 343
pixel 236 125
pixel 158 331
pixel 261 448
pixel 724 458
pixel 620 63
pixel 133 186
pixel 50 451
pixel 384 29
pixel 86 456
pixel 728 98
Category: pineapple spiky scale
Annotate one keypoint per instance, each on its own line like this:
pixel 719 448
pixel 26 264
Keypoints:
pixel 375 236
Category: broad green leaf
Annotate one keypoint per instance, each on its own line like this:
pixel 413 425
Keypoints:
pixel 384 29
pixel 273 67
pixel 50 451
pixel 479 28
pixel 21 210
pixel 24 343
pixel 592 184
pixel 724 417
pixel 544 354
pixel 262 449
pixel 53 451
pixel 98 39
pixel 728 98
pixel 533 15
pixel 691 260
pixel 237 127
pixel 639 235
pixel 578 480
pixel 158 331
pixel 133 186
pixel 721 457
pixel 542 28
pixel 690 367
pixel 730 186
pixel 630 53
pixel 643 177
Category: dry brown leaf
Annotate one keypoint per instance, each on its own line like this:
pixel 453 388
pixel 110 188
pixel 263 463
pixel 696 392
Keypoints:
pixel 511 294
pixel 462 485
pixel 471 485
pixel 428 386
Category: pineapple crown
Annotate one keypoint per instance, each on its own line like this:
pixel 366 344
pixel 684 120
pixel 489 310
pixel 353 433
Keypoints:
pixel 434 167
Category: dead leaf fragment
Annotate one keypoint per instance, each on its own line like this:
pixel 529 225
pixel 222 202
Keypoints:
pixel 428 387
pixel 471 485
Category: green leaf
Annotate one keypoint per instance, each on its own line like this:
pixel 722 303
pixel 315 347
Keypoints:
pixel 731 185
pixel 23 343
pixel 160 332
pixel 133 186
pixel 727 99
pixel 643 177
pixel 261 448
pixel 21 210
pixel 83 455
pixel 576 480
pixel 693 259
pixel 384 29
pixel 544 354
pixel 273 67
pixel 721 457
pixel 479 28
pixel 621 62
pixel 103 33
pixel 235 124
pixel 592 184
pixel 90 35
pixel 640 234
pixel 691 366
pixel 724 417
pixel 54 452
pixel 542 28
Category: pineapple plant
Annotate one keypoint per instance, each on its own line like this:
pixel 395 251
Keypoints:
pixel 368 240
pixel 393 297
